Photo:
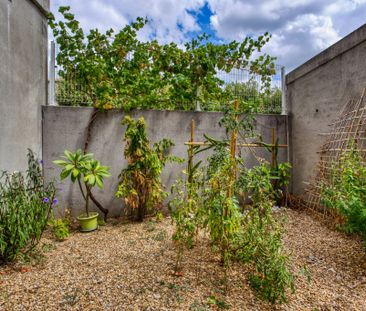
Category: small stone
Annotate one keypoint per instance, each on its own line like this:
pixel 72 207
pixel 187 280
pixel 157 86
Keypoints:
pixel 331 270
pixel 311 258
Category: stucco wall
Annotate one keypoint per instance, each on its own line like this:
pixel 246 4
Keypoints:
pixel 65 128
pixel 23 79
pixel 316 93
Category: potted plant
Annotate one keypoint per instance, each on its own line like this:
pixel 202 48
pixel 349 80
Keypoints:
pixel 87 172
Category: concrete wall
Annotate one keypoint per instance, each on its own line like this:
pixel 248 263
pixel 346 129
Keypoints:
pixel 65 128
pixel 23 79
pixel 316 93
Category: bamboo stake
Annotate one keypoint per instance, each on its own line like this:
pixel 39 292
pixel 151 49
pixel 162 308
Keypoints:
pixel 232 177
pixel 190 151
pixel 233 139
pixel 190 176
pixel 273 148
pixel 202 143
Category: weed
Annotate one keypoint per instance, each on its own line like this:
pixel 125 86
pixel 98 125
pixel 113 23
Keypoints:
pixel 70 298
pixel 159 217
pixel 220 304
pixel 304 271
pixel 59 228
pixel 161 236
pixel 101 222
pixel 198 306
pixel 47 247
pixel 150 226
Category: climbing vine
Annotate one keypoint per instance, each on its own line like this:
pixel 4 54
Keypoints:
pixel 120 71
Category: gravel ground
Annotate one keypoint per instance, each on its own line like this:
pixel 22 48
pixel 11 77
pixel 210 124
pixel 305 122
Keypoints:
pixel 129 267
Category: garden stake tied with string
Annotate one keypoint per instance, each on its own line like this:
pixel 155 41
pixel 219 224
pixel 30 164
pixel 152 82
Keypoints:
pixel 188 232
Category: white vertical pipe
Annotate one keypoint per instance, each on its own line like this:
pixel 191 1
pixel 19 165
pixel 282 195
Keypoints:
pixel 52 68
pixel 283 91
pixel 198 106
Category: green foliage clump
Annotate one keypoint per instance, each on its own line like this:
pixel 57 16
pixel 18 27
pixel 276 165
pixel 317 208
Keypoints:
pixel 159 216
pixel 120 71
pixel 280 174
pixel 269 101
pixel 25 205
pixel 223 217
pixel 185 208
pixel 218 303
pixel 260 242
pixel 59 228
pixel 345 190
pixel 140 184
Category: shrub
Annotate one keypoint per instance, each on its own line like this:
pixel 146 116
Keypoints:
pixel 185 210
pixel 260 241
pixel 140 184
pixel 25 205
pixel 59 228
pixel 159 217
pixel 345 191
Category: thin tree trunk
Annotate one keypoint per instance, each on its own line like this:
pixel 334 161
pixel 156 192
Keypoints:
pixel 89 129
pixel 100 206
pixel 93 117
pixel 87 202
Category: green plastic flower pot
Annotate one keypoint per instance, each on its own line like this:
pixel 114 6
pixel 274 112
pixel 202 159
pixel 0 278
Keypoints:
pixel 88 223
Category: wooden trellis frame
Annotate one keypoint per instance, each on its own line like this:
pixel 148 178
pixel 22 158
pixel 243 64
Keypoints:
pixel 233 144
pixel 233 147
pixel 349 127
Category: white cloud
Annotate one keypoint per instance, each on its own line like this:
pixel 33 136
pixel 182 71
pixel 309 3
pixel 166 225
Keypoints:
pixel 343 6
pixel 318 29
pixel 169 19
pixel 300 28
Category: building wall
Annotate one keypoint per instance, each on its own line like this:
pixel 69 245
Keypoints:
pixel 23 79
pixel 65 128
pixel 316 93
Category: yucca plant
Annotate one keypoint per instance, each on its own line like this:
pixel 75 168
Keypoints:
pixel 87 172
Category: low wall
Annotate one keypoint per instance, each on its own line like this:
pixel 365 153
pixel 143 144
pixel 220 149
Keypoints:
pixel 65 128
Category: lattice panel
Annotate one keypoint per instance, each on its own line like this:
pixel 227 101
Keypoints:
pixel 350 127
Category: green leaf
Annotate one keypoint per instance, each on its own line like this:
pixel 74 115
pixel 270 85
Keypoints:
pixel 61 162
pixel 75 172
pixel 64 174
pixel 99 182
pixel 91 179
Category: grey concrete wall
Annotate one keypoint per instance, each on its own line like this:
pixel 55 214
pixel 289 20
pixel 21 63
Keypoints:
pixel 23 79
pixel 316 93
pixel 65 128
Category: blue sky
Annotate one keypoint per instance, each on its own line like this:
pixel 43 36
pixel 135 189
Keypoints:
pixel 300 28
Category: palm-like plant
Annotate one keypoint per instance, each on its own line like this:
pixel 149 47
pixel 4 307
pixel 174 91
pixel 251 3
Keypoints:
pixel 87 172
